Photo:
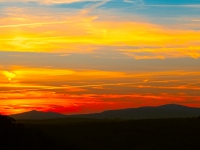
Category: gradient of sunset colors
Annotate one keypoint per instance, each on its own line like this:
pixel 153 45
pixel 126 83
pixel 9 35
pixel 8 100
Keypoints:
pixel 86 56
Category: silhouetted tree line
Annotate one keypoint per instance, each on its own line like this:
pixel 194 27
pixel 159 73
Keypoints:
pixel 16 136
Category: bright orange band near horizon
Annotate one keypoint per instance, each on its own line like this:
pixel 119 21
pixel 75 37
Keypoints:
pixel 88 91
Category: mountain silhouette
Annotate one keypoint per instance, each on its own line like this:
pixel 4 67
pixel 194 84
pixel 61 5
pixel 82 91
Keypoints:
pixel 34 114
pixel 147 112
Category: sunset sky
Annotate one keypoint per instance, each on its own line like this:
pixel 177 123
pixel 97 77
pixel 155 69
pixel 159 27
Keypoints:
pixel 86 56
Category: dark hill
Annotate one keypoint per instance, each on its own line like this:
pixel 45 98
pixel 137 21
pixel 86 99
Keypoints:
pixel 34 114
pixel 164 111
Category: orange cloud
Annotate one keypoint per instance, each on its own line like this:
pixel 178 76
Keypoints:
pixel 82 33
pixel 87 103
pixel 36 85
pixel 9 75
pixel 58 78
pixel 74 91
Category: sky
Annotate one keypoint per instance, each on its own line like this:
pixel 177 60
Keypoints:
pixel 86 56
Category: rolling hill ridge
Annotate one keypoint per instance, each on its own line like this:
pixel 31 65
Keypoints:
pixel 163 111
pixel 37 115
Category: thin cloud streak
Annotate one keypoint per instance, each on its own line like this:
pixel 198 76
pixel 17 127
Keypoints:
pixel 49 1
pixel 31 24
pixel 166 5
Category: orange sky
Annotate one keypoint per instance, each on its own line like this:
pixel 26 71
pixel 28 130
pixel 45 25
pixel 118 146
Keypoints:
pixel 85 56
pixel 86 91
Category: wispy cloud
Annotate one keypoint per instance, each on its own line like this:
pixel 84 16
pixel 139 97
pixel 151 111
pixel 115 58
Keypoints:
pixel 177 5
pixel 135 2
pixel 92 35
pixel 31 24
pixel 50 1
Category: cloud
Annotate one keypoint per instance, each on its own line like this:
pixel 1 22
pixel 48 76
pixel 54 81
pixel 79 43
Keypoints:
pixel 135 2
pixel 88 30
pixel 49 1
pixel 90 103
pixel 31 24
pixel 175 6
pixel 93 90
pixel 93 7
pixel 82 32
pixel 9 75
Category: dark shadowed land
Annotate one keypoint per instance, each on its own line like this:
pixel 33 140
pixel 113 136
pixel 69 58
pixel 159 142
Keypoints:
pixel 176 132
pixel 164 111
pixel 114 134
pixel 34 114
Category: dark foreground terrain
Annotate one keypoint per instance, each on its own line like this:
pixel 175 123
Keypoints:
pixel 102 134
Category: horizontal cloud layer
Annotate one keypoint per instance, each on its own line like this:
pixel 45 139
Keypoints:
pixel 50 1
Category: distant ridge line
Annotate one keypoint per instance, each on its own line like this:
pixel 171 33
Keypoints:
pixel 146 112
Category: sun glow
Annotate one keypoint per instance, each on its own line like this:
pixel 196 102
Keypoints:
pixel 9 75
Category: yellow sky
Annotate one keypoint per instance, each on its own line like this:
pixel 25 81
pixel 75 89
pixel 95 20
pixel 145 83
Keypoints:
pixel 86 33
